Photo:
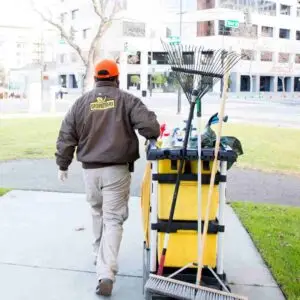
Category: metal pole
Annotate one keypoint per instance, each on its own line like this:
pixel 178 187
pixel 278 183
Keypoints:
pixel 180 33
pixel 42 63
pixel 152 68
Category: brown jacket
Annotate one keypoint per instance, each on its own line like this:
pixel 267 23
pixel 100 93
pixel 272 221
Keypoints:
pixel 102 124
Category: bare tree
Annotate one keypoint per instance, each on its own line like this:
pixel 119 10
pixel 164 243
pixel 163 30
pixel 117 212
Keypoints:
pixel 105 11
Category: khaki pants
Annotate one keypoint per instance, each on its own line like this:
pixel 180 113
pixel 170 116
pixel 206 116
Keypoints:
pixel 107 192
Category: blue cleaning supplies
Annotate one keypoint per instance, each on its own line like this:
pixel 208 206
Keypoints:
pixel 193 139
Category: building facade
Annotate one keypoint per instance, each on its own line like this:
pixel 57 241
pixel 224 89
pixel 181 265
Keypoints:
pixel 267 33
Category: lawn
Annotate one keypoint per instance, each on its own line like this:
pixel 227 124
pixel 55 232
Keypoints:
pixel 3 191
pixel 272 149
pixel 275 232
pixel 28 138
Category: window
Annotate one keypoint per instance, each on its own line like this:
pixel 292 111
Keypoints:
pixel 222 29
pixel 248 54
pixel 85 33
pixel 266 56
pixel 285 10
pixel 284 33
pixel 298 35
pixel 206 28
pixel 205 4
pixel 160 58
pixel 267 8
pixel 283 57
pixel 297 59
pixel 62 58
pixel 73 34
pixel 74 13
pixel 134 29
pixel 168 32
pixel 267 31
pixel 242 31
pixel 62 18
pixel 245 83
pixel 74 57
pixel 298 11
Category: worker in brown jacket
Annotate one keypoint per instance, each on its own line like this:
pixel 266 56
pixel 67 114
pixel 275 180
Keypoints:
pixel 101 126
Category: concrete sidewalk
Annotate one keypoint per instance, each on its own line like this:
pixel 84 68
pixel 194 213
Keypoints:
pixel 45 251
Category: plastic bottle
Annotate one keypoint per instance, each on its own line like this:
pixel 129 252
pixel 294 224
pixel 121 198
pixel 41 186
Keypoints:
pixel 166 140
pixel 193 138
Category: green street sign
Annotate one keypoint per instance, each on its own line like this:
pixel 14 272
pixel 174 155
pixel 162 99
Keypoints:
pixel 174 40
pixel 232 23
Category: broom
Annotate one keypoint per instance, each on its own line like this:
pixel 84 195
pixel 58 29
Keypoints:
pixel 182 290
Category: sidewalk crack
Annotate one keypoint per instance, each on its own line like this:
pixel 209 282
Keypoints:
pixel 63 269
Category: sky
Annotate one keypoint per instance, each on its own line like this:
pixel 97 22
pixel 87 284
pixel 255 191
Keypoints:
pixel 16 12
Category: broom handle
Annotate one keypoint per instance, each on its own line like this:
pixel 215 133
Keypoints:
pixel 212 177
pixel 176 190
pixel 199 188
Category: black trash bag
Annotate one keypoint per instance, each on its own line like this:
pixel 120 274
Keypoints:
pixel 234 144
pixel 208 138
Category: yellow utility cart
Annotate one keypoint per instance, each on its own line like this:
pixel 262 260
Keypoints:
pixel 157 192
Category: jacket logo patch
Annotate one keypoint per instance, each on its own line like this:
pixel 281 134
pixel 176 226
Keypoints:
pixel 102 104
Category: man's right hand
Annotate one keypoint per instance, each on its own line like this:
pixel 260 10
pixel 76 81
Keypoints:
pixel 62 175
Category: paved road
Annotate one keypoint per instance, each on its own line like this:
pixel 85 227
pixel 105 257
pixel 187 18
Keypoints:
pixel 276 113
pixel 243 184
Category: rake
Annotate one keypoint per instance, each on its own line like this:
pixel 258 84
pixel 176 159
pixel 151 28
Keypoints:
pixel 197 70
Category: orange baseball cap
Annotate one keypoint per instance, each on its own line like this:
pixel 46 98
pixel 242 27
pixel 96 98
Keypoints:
pixel 106 68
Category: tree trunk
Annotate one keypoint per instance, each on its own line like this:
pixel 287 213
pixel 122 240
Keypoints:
pixel 88 77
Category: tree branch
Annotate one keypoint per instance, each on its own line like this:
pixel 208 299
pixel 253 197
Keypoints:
pixel 104 25
pixel 98 10
pixel 64 34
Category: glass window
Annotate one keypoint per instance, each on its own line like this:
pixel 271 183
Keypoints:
pixel 205 4
pixel 267 31
pixel 62 58
pixel 284 33
pixel 266 7
pixel 74 13
pixel 206 28
pixel 85 33
pixel 134 29
pixel 285 10
pixel 298 35
pixel 248 54
pixel 266 56
pixel 298 11
pixel 297 58
pixel 283 57
pixel 242 31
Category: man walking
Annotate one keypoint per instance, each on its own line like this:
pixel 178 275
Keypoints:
pixel 101 125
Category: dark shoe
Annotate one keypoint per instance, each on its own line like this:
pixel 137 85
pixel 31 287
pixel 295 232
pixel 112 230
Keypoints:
pixel 104 287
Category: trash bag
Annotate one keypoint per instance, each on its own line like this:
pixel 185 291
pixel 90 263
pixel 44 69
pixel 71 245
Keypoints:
pixel 208 140
pixel 231 143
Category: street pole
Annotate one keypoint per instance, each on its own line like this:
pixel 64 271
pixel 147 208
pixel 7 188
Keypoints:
pixel 180 34
pixel 152 68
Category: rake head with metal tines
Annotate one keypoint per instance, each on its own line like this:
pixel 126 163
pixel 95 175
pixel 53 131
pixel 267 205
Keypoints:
pixel 197 68
pixel 187 291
